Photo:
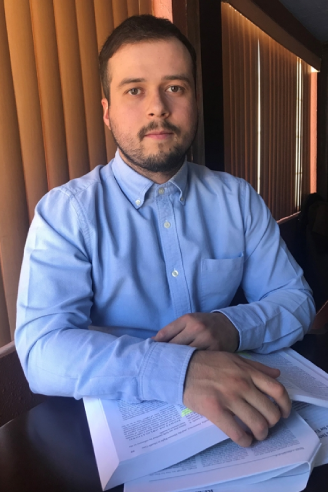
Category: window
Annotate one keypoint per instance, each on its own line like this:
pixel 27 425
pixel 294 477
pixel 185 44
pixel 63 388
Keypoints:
pixel 269 115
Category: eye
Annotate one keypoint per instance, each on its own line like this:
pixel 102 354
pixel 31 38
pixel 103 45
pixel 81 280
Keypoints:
pixel 175 88
pixel 134 91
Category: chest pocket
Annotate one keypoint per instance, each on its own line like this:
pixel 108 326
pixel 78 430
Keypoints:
pixel 219 281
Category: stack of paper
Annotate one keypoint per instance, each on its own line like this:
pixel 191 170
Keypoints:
pixel 157 447
pixel 133 440
pixel 288 451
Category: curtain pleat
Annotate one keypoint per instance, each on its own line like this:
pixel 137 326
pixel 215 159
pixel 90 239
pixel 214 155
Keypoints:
pixel 91 83
pixel 306 150
pixel 52 112
pixel 145 6
pixel 51 127
pixel 13 204
pixel 105 24
pixel 240 48
pixel 278 121
pixel 23 67
pixel 72 87
pixel 133 7
pixel 269 159
pixel 120 11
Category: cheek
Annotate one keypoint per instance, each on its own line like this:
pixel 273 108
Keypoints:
pixel 124 121
pixel 188 115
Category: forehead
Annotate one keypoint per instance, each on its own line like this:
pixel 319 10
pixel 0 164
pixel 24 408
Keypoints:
pixel 150 60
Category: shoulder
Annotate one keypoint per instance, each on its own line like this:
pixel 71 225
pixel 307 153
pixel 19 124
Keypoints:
pixel 216 180
pixel 87 184
pixel 83 190
pixel 74 204
pixel 234 193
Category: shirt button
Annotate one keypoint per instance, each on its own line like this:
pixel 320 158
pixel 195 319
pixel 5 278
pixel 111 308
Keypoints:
pixel 167 224
pixel 161 191
pixel 181 199
pixel 138 202
pixel 175 273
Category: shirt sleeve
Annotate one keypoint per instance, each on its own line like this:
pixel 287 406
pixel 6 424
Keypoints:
pixel 59 354
pixel 281 306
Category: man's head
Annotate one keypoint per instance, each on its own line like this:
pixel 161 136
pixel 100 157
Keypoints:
pixel 134 30
pixel 149 69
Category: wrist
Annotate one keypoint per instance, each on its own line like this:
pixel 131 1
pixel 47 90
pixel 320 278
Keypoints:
pixel 231 333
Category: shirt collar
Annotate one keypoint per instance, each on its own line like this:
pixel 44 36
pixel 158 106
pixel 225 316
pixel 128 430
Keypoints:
pixel 135 186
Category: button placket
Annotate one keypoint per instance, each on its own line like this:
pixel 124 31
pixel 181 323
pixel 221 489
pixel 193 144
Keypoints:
pixel 172 255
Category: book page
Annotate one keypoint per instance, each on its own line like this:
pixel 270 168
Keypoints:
pixel 290 444
pixel 142 427
pixel 317 418
pixel 303 380
pixel 293 483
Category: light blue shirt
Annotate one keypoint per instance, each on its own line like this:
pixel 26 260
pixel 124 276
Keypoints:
pixel 113 249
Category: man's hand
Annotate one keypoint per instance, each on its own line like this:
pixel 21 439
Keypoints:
pixel 205 331
pixel 220 386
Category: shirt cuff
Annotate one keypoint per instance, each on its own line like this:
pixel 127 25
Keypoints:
pixel 252 332
pixel 163 373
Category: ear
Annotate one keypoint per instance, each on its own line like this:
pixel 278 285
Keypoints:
pixel 105 106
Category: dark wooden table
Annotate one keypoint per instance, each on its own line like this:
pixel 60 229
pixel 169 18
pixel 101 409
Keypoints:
pixel 49 449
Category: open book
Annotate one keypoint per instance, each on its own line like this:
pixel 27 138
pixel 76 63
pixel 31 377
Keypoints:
pixel 131 440
pixel 289 450
pixel 303 380
pixel 134 440
pixel 264 470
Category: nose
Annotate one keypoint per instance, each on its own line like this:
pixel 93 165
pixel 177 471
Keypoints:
pixel 158 105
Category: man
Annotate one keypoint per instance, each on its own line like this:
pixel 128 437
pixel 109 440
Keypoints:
pixel 151 242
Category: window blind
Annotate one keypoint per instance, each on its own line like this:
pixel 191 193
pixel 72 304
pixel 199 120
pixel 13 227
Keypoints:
pixel 51 127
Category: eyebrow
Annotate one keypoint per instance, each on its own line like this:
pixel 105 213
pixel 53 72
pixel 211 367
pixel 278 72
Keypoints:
pixel 128 81
pixel 131 81
pixel 182 77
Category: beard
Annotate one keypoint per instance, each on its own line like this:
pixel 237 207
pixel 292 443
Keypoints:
pixel 165 160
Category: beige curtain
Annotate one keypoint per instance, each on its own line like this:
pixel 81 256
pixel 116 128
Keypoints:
pixel 51 127
pixel 240 89
pixel 267 109
pixel 278 123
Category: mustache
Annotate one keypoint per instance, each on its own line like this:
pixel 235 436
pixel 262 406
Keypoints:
pixel 155 126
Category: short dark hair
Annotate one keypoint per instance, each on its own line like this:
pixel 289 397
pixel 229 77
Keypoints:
pixel 134 30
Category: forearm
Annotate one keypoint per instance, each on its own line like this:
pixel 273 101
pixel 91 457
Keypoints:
pixel 80 362
pixel 281 306
pixel 275 322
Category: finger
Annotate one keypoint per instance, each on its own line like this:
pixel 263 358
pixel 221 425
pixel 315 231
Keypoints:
pixel 229 425
pixel 253 418
pixel 276 390
pixel 265 407
pixel 196 338
pixel 170 331
pixel 203 341
pixel 269 371
pixel 185 337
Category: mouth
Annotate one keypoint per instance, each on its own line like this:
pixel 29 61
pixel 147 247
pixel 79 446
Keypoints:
pixel 159 135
